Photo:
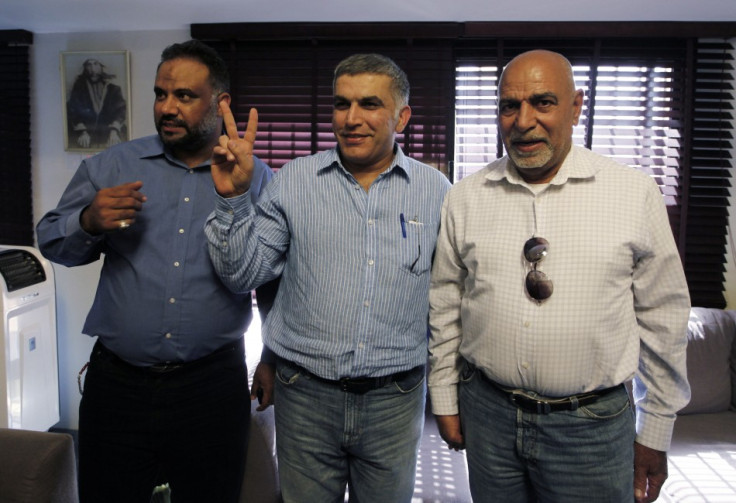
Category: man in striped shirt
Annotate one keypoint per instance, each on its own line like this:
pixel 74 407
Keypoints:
pixel 352 230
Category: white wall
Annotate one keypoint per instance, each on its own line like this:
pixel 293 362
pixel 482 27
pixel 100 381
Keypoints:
pixel 53 168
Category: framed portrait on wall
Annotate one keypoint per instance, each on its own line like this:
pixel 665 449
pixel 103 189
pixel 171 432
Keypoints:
pixel 95 88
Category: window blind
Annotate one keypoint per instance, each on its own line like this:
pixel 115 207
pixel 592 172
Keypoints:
pixel 16 203
pixel 290 83
pixel 658 97
pixel 661 106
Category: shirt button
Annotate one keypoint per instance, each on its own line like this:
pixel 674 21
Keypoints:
pixel 186 199
pixel 168 335
pixel 181 231
pixel 525 365
pixel 172 300
pixel 370 262
pixel 361 345
pixel 176 264
pixel 370 222
pixel 224 244
pixel 367 303
pixel 526 324
pixel 191 171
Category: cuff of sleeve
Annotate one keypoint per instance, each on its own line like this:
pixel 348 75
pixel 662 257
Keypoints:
pixel 233 208
pixel 444 400
pixel 654 431
pixel 75 232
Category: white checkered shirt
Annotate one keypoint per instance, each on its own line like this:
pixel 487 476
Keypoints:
pixel 620 304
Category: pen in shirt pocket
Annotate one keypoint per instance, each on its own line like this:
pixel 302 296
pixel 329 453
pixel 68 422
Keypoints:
pixel 403 225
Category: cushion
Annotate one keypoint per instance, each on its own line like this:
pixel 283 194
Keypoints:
pixel 710 334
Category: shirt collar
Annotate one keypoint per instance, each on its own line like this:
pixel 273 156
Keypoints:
pixel 156 148
pixel 331 159
pixel 571 169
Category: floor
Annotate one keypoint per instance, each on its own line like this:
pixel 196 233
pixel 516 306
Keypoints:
pixel 442 474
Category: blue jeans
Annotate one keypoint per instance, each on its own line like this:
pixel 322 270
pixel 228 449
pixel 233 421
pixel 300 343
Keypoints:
pixel 139 428
pixel 327 438
pixel 566 456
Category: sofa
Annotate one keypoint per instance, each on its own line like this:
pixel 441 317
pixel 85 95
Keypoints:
pixel 702 458
pixel 37 467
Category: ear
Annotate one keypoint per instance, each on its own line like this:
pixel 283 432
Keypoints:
pixel 223 97
pixel 404 116
pixel 577 103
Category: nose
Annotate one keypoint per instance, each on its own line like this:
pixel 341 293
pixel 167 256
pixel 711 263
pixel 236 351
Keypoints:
pixel 169 106
pixel 526 118
pixel 353 115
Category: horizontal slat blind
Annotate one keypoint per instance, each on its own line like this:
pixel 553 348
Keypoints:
pixel 649 104
pixel 660 103
pixel 290 83
pixel 16 204
pixel 709 172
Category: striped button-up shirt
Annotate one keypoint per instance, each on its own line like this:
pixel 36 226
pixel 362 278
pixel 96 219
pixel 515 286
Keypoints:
pixel 620 303
pixel 355 264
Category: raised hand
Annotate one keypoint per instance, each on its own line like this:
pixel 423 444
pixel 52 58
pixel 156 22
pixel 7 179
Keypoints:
pixel 232 159
pixel 113 208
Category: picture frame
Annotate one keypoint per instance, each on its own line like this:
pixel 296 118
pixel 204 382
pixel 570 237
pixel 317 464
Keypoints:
pixel 95 90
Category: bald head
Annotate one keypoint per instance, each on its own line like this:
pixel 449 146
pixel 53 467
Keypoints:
pixel 543 60
pixel 538 107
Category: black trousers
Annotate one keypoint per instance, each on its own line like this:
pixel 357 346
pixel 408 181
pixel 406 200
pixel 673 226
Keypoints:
pixel 186 426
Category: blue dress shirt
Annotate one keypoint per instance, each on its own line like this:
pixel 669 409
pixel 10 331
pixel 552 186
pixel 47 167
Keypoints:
pixel 353 299
pixel 158 298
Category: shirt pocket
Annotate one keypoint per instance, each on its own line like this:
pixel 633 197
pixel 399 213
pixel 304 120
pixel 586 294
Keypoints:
pixel 418 247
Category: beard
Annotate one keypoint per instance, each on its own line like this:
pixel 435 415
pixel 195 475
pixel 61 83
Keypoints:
pixel 197 136
pixel 533 160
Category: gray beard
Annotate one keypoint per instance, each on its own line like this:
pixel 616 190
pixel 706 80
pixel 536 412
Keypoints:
pixel 197 137
pixel 531 161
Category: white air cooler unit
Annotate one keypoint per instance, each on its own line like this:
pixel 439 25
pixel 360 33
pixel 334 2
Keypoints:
pixel 29 372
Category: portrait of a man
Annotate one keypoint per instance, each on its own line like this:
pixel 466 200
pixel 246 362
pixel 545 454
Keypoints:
pixel 96 107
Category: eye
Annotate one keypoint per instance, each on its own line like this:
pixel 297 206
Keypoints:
pixel 508 107
pixel 185 97
pixel 341 105
pixel 544 102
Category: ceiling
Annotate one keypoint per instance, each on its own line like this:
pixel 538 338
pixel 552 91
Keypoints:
pixel 63 16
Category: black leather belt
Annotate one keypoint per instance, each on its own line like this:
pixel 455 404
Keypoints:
pixel 357 385
pixel 538 405
pixel 230 350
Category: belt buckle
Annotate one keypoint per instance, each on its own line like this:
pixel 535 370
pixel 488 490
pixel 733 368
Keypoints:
pixel 162 368
pixel 530 404
pixel 358 385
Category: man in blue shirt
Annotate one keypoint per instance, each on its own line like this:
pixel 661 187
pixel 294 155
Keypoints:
pixel 166 392
pixel 353 230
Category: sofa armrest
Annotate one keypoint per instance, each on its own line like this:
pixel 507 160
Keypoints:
pixel 37 466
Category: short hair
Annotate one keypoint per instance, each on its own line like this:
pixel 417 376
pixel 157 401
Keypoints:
pixel 378 64
pixel 199 51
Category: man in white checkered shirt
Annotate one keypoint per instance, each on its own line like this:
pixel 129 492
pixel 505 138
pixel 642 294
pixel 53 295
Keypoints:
pixel 556 279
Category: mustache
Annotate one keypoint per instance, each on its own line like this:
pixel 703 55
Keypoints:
pixel 520 138
pixel 171 119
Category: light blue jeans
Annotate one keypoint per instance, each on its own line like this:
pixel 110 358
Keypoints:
pixel 327 438
pixel 566 456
